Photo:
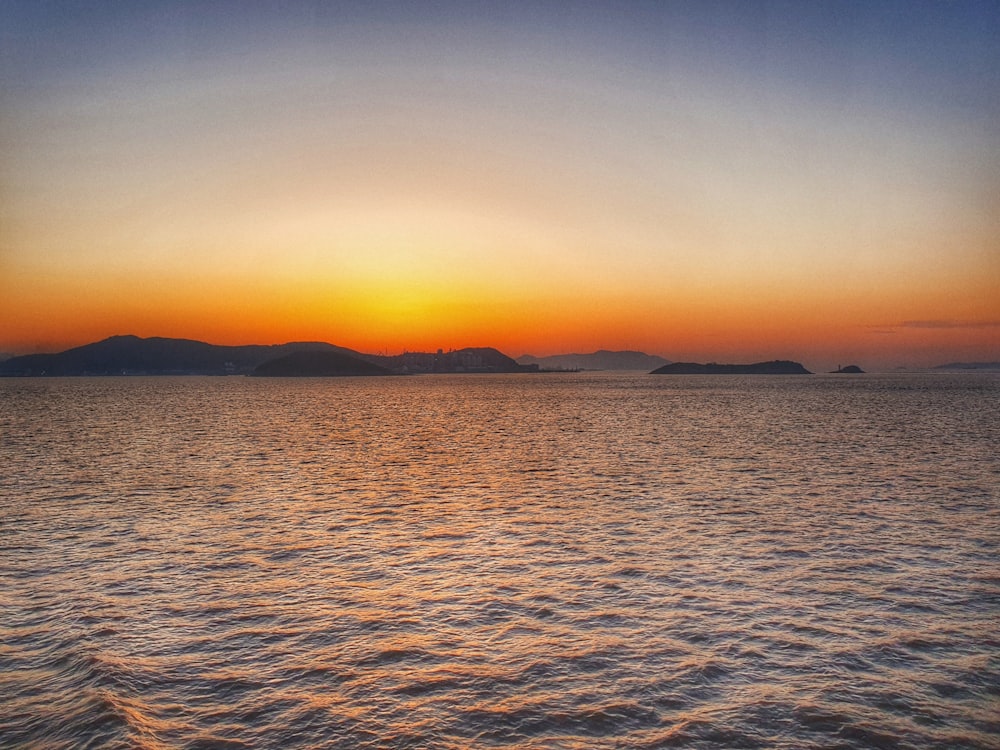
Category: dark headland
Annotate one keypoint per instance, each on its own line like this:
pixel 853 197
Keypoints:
pixel 849 370
pixel 777 367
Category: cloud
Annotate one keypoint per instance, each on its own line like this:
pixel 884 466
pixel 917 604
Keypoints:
pixel 949 324
pixel 887 329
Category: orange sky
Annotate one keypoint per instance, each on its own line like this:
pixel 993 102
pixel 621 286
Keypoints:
pixel 679 181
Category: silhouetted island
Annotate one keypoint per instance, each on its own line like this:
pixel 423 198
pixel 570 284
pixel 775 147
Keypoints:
pixel 131 355
pixel 849 370
pixel 318 364
pixel 777 367
pixel 599 360
pixel 482 359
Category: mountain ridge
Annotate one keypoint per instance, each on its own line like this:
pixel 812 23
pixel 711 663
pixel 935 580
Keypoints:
pixel 132 355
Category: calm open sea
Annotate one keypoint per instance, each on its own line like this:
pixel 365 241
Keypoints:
pixel 538 561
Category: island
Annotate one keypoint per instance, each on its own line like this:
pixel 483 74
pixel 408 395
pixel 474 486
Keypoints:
pixel 311 364
pixel 483 359
pixel 849 370
pixel 599 360
pixel 132 355
pixel 776 367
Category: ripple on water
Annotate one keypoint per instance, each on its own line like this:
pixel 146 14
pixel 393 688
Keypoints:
pixel 596 560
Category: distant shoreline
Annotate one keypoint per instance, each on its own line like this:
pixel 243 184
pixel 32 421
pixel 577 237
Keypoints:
pixel 775 367
pixel 125 356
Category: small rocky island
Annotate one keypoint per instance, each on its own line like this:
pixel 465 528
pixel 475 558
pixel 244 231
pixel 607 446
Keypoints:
pixel 776 367
pixel 849 370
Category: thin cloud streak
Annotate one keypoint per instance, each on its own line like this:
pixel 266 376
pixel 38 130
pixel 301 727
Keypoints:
pixel 949 324
pixel 889 329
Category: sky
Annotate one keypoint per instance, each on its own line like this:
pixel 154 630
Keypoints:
pixel 707 181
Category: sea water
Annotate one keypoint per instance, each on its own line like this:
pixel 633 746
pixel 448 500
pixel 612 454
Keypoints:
pixel 541 561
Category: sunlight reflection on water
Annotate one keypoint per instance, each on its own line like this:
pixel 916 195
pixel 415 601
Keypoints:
pixel 590 560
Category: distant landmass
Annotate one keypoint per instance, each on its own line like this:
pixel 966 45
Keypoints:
pixel 131 355
pixel 318 364
pixel 849 370
pixel 777 367
pixel 469 360
pixel 599 360
pixel 969 366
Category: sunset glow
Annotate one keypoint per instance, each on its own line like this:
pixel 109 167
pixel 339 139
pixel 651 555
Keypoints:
pixel 701 181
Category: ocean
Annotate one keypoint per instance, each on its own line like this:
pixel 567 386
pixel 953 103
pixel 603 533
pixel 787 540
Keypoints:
pixel 589 560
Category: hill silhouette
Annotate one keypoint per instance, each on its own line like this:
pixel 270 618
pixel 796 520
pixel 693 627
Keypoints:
pixel 131 355
pixel 469 360
pixel 776 367
pixel 318 364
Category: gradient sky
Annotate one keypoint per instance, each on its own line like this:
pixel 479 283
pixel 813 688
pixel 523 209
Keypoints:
pixel 710 181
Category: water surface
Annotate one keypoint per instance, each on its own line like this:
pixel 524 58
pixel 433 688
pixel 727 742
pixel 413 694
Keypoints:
pixel 538 561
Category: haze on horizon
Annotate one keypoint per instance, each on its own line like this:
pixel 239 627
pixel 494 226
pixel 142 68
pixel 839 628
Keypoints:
pixel 728 181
